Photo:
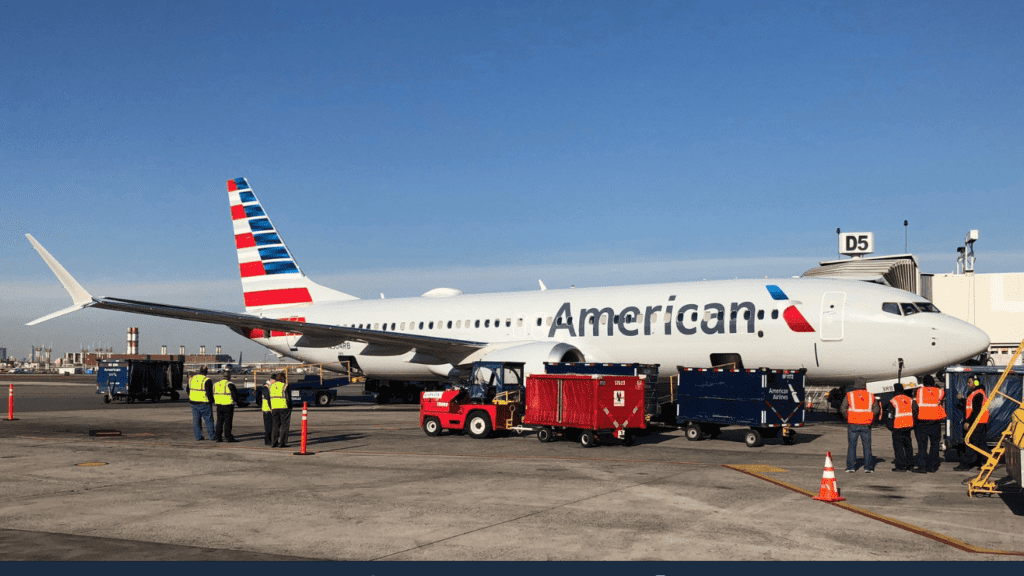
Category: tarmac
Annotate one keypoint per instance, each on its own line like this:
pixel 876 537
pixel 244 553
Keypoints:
pixel 377 488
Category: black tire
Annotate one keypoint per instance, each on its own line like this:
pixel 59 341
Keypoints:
pixel 545 434
pixel 714 432
pixel 753 438
pixel 770 432
pixel 323 399
pixel 789 439
pixel 175 396
pixel 242 404
pixel 383 397
pixel 629 439
pixel 478 425
pixel 130 400
pixel 587 439
pixel 106 399
pixel 694 433
pixel 432 426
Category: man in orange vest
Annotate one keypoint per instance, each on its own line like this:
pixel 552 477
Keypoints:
pixel 860 409
pixel 900 415
pixel 928 430
pixel 973 412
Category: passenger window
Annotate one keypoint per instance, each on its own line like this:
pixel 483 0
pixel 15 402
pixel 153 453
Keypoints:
pixel 693 317
pixel 891 308
pixel 654 318
pixel 449 323
pixel 402 326
pixel 746 314
pixel 908 308
pixel 775 314
pixel 539 321
pixel 760 314
pixel 431 326
pixel 549 320
pixel 497 322
pixel 392 325
pixel 508 322
pixel 519 322
pixel 590 321
pixel 376 326
pixel 487 323
pixel 421 325
pixel 477 325
pixel 604 319
pixel 458 323
pixel 616 318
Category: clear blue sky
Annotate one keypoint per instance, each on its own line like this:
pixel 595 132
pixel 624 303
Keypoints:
pixel 401 146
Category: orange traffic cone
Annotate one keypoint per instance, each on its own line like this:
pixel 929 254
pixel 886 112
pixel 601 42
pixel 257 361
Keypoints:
pixel 828 492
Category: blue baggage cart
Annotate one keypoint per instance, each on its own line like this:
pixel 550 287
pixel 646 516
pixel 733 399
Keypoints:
pixel 131 380
pixel 770 402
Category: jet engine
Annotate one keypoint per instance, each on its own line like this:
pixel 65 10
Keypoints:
pixel 535 354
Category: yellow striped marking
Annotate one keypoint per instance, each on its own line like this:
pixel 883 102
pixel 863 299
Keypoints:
pixel 91 464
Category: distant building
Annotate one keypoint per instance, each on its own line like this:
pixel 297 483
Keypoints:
pixel 3 354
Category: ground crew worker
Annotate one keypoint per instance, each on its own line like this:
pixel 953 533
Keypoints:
pixel 281 410
pixel 268 417
pixel 973 412
pixel 200 396
pixel 224 397
pixel 860 409
pixel 930 415
pixel 901 413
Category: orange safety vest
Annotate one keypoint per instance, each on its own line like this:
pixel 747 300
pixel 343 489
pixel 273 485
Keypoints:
pixel 904 416
pixel 983 417
pixel 860 402
pixel 929 403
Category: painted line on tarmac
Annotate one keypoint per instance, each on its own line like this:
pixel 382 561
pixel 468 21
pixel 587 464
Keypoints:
pixel 942 538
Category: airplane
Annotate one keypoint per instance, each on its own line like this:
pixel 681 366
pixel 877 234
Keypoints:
pixel 840 331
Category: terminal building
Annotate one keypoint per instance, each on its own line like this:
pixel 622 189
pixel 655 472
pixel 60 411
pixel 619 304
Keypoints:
pixel 993 302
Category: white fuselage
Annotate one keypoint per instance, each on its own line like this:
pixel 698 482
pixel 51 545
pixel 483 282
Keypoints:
pixel 680 324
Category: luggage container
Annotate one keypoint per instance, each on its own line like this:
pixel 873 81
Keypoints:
pixel 1000 410
pixel 592 406
pixel 652 404
pixel 768 401
pixel 131 380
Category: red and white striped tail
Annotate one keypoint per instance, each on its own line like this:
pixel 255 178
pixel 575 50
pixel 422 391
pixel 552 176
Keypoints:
pixel 271 278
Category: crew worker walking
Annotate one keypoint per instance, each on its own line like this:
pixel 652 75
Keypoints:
pixel 973 412
pixel 900 414
pixel 224 396
pixel 281 409
pixel 928 430
pixel 200 396
pixel 860 409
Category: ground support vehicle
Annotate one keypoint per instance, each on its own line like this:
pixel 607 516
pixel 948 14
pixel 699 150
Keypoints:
pixel 1000 410
pixel 490 400
pixel 131 380
pixel 307 383
pixel 770 402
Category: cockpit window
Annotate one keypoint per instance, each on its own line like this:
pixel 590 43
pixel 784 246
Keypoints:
pixel 927 307
pixel 891 308
pixel 908 308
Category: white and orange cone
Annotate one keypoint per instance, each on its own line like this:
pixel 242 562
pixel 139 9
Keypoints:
pixel 828 492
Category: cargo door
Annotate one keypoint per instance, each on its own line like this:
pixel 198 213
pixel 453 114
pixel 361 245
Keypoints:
pixel 832 313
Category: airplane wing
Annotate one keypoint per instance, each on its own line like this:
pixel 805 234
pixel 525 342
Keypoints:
pixel 313 334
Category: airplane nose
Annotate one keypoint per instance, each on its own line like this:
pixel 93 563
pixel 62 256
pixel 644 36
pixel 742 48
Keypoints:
pixel 976 341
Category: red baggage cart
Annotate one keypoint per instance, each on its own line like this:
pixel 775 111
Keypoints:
pixel 592 405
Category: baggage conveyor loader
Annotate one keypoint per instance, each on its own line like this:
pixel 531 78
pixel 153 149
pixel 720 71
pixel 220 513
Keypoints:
pixel 1012 438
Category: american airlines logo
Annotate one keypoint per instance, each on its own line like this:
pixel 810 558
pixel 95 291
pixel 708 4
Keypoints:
pixel 717 318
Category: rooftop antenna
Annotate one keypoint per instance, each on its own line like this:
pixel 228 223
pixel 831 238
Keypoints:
pixel 905 237
pixel 838 231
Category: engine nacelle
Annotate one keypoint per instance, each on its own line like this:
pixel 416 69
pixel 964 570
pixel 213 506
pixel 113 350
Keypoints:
pixel 535 354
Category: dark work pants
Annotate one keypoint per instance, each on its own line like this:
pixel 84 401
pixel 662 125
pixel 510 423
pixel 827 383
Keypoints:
pixel 225 416
pixel 979 439
pixel 928 433
pixel 902 448
pixel 282 420
pixel 268 427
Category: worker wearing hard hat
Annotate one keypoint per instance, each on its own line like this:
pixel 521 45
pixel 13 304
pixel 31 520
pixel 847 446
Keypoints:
pixel 973 413
pixel 860 409
pixel 928 430
pixel 200 396
pixel 224 397
pixel 900 415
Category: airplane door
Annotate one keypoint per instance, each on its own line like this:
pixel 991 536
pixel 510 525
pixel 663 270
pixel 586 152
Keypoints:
pixel 832 306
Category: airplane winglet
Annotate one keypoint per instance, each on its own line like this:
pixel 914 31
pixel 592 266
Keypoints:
pixel 542 286
pixel 78 294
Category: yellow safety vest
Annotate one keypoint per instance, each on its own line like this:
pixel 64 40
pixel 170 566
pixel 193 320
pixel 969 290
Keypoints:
pixel 197 389
pixel 264 402
pixel 278 400
pixel 221 393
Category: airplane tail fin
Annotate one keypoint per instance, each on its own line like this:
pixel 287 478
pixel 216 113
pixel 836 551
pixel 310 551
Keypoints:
pixel 271 278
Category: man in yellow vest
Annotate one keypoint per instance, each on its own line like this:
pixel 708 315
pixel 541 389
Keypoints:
pixel 224 397
pixel 860 409
pixel 281 410
pixel 973 412
pixel 931 413
pixel 200 396
pixel 268 417
pixel 901 413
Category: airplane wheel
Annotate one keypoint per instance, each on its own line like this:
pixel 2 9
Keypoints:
pixel 175 396
pixel 432 426
pixel 753 439
pixel 479 425
pixel 544 434
pixel 694 433
pixel 587 439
